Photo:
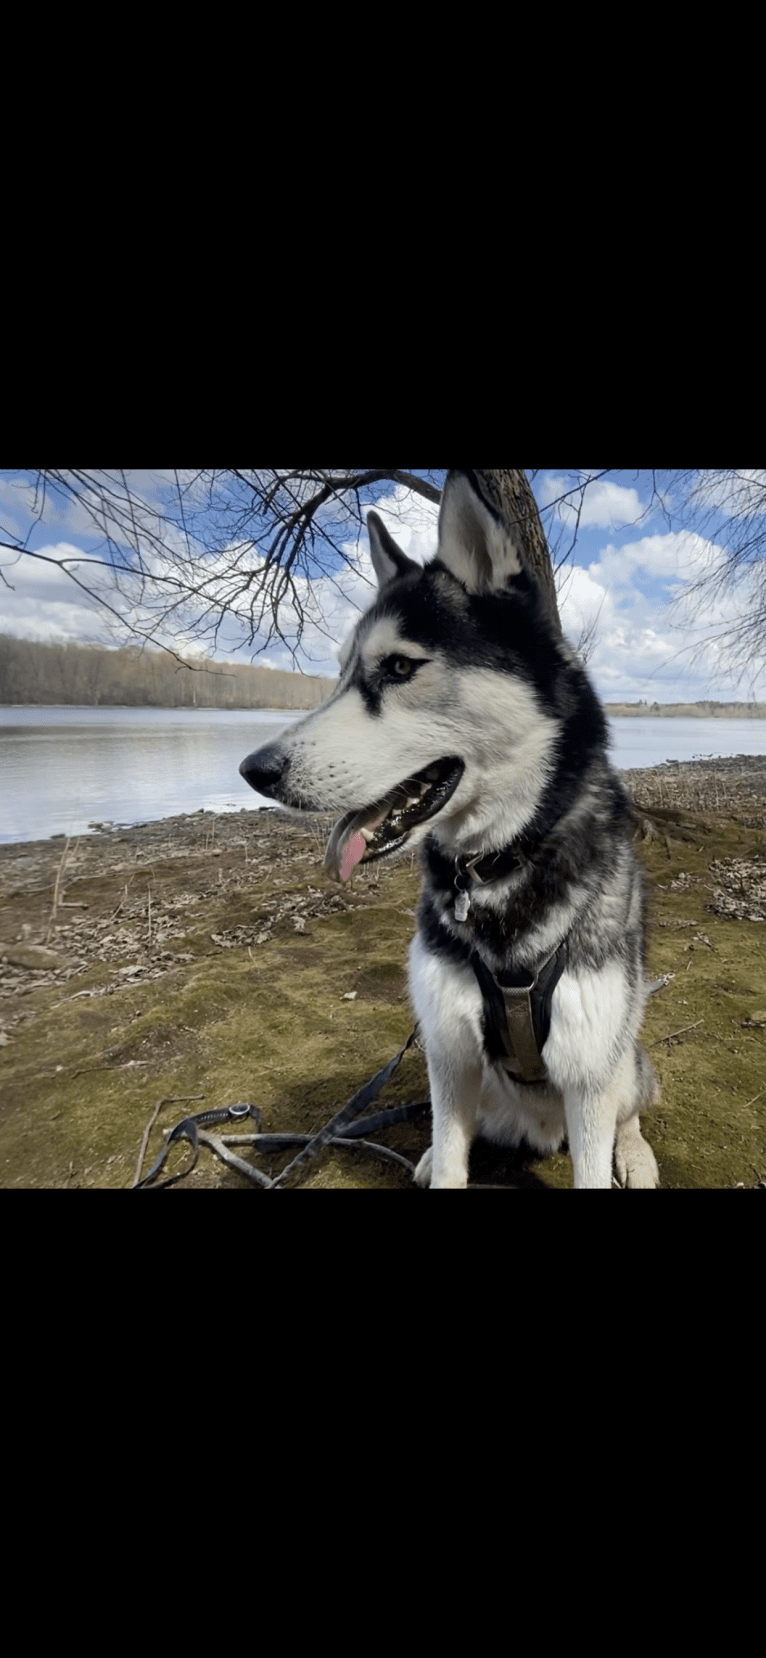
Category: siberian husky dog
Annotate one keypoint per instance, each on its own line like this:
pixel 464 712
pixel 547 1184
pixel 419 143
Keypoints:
pixel 462 723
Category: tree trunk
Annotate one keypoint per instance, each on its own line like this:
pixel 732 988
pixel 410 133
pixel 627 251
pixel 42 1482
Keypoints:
pixel 510 493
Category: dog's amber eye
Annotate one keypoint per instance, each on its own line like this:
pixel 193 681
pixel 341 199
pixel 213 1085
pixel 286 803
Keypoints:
pixel 401 667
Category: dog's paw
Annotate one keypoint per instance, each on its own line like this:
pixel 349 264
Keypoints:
pixel 635 1161
pixel 422 1175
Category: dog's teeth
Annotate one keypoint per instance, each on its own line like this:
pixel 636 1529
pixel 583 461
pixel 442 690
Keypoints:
pixel 369 835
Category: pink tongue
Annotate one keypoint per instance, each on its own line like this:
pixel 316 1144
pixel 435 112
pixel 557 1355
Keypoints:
pixel 353 852
pixel 355 848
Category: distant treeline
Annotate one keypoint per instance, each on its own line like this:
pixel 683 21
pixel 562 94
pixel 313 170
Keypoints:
pixel 31 672
pixel 690 710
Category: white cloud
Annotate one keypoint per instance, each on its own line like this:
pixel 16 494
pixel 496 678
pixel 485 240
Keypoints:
pixel 673 558
pixel 603 503
pixel 39 601
pixel 641 647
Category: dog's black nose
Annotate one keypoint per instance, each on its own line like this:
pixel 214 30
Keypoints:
pixel 265 769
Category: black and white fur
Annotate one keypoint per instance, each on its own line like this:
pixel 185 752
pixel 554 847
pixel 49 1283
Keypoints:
pixel 458 659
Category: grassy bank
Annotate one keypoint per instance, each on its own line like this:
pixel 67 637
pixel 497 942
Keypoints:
pixel 205 960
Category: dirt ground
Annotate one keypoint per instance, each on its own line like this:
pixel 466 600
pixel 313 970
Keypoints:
pixel 206 960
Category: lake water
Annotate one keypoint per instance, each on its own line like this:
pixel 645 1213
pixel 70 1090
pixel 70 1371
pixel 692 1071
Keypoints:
pixel 62 770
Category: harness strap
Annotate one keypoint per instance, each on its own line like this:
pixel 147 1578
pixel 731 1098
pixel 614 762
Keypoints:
pixel 517 1014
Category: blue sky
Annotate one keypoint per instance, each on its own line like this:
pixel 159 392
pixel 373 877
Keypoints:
pixel 625 569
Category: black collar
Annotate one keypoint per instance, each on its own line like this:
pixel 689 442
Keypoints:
pixel 480 867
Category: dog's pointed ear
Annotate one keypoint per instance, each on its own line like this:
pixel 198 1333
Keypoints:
pixel 474 542
pixel 388 560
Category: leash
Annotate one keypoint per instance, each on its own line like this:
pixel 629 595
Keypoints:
pixel 354 1134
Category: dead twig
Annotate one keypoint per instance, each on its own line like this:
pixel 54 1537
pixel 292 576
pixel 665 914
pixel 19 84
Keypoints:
pixel 673 1033
pixel 216 1144
pixel 123 900
pixel 128 1065
pixel 57 889
pixel 170 1099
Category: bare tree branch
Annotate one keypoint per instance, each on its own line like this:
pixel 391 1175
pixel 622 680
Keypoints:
pixel 200 549
pixel 237 555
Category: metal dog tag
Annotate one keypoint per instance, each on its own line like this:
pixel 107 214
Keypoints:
pixel 462 906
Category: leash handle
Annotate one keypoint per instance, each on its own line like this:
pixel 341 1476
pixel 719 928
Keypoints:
pixel 187 1130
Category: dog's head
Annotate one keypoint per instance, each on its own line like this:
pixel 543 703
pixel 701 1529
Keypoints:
pixel 436 698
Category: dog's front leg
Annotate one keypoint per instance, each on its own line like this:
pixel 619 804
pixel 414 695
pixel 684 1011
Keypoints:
pixel 455 1089
pixel 590 1131
pixel 591 1118
pixel 447 1003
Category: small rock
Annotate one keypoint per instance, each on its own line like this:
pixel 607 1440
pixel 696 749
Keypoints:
pixel 30 955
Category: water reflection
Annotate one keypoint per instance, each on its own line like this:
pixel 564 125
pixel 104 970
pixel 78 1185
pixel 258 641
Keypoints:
pixel 62 769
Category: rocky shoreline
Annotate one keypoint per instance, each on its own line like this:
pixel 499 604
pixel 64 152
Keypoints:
pixel 734 786
pixel 731 788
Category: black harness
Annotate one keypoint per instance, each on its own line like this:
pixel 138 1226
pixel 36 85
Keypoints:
pixel 517 1015
pixel 517 1005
